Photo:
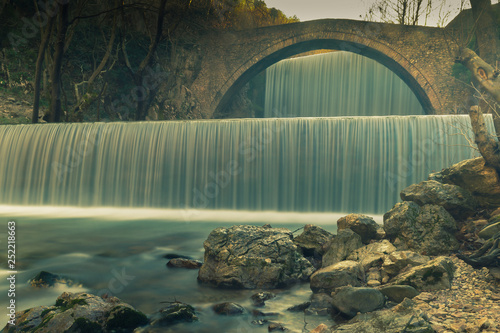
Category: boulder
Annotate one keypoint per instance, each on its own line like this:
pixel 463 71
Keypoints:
pixel 341 274
pixel 228 309
pixel 299 307
pixel 473 175
pixel 363 225
pixel 372 254
pixel 397 293
pixel 79 312
pixel 343 244
pixel 394 320
pixel 351 300
pixel 437 274
pixel 428 229
pixel 457 201
pixel 489 231
pixel 175 312
pixel 249 257
pixel 184 263
pixel 312 239
pixel 260 299
pixel 398 260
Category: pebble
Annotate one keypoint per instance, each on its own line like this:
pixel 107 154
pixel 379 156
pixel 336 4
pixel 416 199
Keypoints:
pixel 471 305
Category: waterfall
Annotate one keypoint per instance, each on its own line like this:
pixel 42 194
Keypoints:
pixel 343 164
pixel 336 84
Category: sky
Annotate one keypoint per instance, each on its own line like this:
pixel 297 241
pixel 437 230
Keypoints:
pixel 349 9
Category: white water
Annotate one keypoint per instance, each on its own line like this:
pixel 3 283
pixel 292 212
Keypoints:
pixel 354 164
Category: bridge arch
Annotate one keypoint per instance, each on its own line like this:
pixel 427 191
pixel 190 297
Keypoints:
pixel 366 39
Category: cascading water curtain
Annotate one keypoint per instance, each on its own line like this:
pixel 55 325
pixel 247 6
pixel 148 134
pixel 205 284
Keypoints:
pixel 357 164
pixel 336 84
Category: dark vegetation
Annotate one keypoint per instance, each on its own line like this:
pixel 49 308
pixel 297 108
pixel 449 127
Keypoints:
pixel 91 60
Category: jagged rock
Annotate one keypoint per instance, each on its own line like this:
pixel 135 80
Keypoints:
pixel 79 312
pixel 184 263
pixel 393 320
pixel 397 293
pixel 228 309
pixel 372 254
pixel 489 231
pixel 428 229
pixel 363 225
pixel 312 239
pixel 398 260
pixel 341 274
pixel 457 201
pixel 344 243
pixel 250 257
pixel 174 313
pixel 259 299
pixel 473 175
pixel 437 274
pixel 351 300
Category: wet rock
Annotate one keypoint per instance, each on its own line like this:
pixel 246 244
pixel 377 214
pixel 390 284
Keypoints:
pixel 372 254
pixel 45 279
pixel 344 243
pixel 184 263
pixel 398 260
pixel 259 299
pixel 428 229
pixel 299 307
pixel 489 231
pixel 79 312
pixel 363 225
pixel 473 175
pixel 341 274
pixel 276 327
pixel 457 201
pixel 495 272
pixel 174 313
pixel 228 309
pixel 351 300
pixel 437 274
pixel 312 239
pixel 397 293
pixel 250 257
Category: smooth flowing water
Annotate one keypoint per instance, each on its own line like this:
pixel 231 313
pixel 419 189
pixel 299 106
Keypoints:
pixel 336 84
pixel 353 164
pixel 120 252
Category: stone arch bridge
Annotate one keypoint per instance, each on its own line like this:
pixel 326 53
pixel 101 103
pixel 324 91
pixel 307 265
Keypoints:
pixel 422 56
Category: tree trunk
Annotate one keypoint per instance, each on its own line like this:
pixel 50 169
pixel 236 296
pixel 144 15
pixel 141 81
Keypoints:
pixel 62 28
pixel 38 71
pixel 488 79
pixel 142 105
pixel 485 30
